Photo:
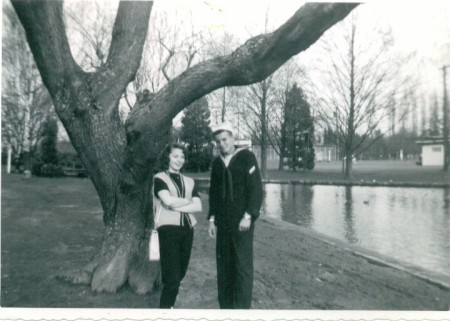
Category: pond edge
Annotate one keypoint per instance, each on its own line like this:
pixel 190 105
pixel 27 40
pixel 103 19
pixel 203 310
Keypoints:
pixel 372 257
pixel 204 180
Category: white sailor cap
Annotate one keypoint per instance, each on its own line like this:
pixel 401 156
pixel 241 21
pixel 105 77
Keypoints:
pixel 222 127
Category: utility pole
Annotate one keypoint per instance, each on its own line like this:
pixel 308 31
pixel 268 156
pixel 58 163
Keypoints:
pixel 445 115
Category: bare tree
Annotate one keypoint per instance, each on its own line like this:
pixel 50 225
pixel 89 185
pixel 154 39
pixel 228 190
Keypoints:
pixel 89 24
pixel 411 102
pixel 256 100
pixel 169 50
pixel 177 49
pixel 435 121
pixel 226 98
pixel 423 116
pixel 25 101
pixel 359 88
pixel 256 106
pixel 120 157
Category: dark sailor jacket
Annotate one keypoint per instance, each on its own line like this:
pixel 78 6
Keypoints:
pixel 235 190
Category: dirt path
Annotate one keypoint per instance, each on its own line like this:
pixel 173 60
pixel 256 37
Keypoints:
pixel 50 225
pixel 295 270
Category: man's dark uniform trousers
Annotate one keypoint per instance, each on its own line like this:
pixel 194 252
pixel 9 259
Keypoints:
pixel 235 190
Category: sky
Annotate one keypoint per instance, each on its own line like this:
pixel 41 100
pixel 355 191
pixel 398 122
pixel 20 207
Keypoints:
pixel 418 26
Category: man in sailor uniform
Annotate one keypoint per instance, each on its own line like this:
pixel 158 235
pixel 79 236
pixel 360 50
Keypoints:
pixel 235 199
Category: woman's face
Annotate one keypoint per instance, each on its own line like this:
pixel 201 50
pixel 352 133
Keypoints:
pixel 176 159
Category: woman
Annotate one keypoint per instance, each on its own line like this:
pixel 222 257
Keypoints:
pixel 175 197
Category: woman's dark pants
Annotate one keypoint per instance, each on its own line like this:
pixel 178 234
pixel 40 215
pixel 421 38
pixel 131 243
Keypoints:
pixel 175 244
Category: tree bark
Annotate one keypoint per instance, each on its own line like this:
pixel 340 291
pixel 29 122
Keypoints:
pixel 87 104
pixel 280 161
pixel 120 158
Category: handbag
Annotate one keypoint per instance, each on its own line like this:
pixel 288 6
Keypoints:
pixel 153 247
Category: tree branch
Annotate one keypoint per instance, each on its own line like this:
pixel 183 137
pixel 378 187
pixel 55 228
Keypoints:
pixel 250 63
pixel 166 63
pixel 44 25
pixel 127 43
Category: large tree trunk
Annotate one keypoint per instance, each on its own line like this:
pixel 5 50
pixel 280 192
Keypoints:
pixel 348 163
pixel 123 182
pixel 280 160
pixel 120 158
pixel 87 104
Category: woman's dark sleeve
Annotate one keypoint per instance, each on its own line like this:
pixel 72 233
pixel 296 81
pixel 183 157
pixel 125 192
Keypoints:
pixel 254 186
pixel 159 185
pixel 195 190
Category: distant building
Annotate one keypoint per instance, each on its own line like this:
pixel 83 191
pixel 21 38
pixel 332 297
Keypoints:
pixel 325 153
pixel 432 151
pixel 272 157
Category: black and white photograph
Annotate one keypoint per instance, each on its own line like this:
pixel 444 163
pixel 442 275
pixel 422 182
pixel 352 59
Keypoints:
pixel 239 159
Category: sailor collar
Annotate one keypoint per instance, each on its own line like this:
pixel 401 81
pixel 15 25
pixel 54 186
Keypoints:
pixel 227 159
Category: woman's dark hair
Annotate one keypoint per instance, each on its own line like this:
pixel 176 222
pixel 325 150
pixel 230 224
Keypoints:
pixel 163 161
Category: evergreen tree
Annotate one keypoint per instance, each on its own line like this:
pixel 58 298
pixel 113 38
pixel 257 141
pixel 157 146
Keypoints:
pixel 47 165
pixel 49 154
pixel 299 129
pixel 196 133
pixel 307 152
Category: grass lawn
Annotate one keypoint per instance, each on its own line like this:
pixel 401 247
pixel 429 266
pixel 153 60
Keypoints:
pixel 50 225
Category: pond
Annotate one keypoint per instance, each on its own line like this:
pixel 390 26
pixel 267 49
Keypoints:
pixel 409 224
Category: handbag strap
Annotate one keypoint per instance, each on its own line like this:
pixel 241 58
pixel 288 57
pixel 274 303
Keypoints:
pixel 157 215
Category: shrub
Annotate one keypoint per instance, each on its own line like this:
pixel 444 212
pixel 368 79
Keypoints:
pixel 198 161
pixel 47 170
pixel 49 153
pixel 36 168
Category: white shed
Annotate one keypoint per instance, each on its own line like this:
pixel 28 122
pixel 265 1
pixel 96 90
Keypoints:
pixel 432 151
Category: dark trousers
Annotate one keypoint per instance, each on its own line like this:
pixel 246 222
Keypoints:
pixel 234 254
pixel 175 244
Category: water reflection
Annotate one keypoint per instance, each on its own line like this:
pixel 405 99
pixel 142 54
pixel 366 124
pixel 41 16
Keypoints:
pixel 293 205
pixel 411 224
pixel 297 204
pixel 350 233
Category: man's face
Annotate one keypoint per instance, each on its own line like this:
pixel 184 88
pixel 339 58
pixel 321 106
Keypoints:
pixel 225 142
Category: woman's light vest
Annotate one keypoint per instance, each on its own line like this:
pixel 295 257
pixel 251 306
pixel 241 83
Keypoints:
pixel 171 217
